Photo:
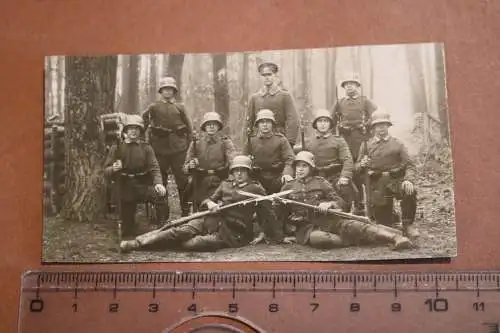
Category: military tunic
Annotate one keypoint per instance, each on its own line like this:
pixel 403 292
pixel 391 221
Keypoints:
pixel 333 160
pixel 170 134
pixel 272 158
pixel 353 113
pixel 280 101
pixel 214 153
pixel 139 174
pixel 391 164
pixel 228 228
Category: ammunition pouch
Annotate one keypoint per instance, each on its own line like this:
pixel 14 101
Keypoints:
pixel 222 173
pixel 393 173
pixel 329 170
pixel 159 131
pixel 275 168
pixel 134 175
pixel 350 128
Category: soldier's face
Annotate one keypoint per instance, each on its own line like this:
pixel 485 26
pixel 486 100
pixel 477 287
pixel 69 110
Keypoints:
pixel 381 130
pixel 211 127
pixel 323 125
pixel 133 132
pixel 167 92
pixel 351 88
pixel 302 170
pixel 265 126
pixel 240 174
pixel 268 76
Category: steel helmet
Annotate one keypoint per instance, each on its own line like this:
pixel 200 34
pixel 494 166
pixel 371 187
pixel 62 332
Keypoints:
pixel 133 120
pixel 211 116
pixel 166 82
pixel 305 156
pixel 350 78
pixel 265 114
pixel 322 113
pixel 241 161
pixel 380 117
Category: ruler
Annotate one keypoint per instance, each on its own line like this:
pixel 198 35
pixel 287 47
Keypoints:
pixel 260 301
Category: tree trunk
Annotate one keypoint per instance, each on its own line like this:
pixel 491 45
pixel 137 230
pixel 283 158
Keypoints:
pixel 124 98
pixel 416 79
pixel 90 87
pixel 244 81
pixel 133 102
pixel 153 73
pixel 331 79
pixel 174 68
pixel 221 89
pixel 60 75
pixel 441 92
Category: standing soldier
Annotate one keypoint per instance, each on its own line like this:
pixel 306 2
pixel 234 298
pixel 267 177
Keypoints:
pixel 316 229
pixel 274 97
pixel 272 157
pixel 229 228
pixel 208 158
pixel 170 134
pixel 333 157
pixel 352 115
pixel 134 166
pixel 391 173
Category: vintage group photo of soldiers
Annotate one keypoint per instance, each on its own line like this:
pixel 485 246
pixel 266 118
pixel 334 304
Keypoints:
pixel 309 154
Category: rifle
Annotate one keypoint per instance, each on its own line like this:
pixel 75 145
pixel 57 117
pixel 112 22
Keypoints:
pixel 367 180
pixel 329 211
pixel 335 113
pixel 302 135
pixel 194 176
pixel 198 215
pixel 249 143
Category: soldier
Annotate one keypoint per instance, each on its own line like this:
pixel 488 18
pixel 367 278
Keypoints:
pixel 170 134
pixel 134 166
pixel 391 172
pixel 229 228
pixel 352 114
pixel 315 228
pixel 208 158
pixel 271 152
pixel 333 157
pixel 274 97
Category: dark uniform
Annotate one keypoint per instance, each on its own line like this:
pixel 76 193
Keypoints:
pixel 280 101
pixel 230 228
pixel 272 158
pixel 136 180
pixel 334 160
pixel 214 153
pixel 170 135
pixel 390 165
pixel 329 231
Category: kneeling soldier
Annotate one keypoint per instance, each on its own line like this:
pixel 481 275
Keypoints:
pixel 390 170
pixel 333 157
pixel 208 159
pixel 230 228
pixel 138 176
pixel 314 227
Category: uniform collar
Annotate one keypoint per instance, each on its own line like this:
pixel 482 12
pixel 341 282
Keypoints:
pixel 240 185
pixel 170 100
pixel 376 139
pixel 273 90
pixel 305 180
pixel 323 136
pixel 212 138
pixel 128 141
pixel 265 136
pixel 353 98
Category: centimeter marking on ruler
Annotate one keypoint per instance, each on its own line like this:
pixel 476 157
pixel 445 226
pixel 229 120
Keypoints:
pixel 273 281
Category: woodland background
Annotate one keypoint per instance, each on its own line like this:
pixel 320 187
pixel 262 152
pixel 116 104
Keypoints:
pixel 407 80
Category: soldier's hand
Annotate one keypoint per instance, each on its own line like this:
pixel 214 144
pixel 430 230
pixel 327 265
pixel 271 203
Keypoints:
pixel 117 166
pixel 286 178
pixel 364 161
pixel 343 181
pixel 408 187
pixel 212 206
pixel 193 164
pixel 323 207
pixel 160 189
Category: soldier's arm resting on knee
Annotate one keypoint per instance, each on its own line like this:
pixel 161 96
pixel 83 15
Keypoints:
pixel 189 157
pixel 410 171
pixel 110 159
pixel 346 158
pixel 288 157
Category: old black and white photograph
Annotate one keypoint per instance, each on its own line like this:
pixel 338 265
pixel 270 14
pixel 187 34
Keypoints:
pixel 318 154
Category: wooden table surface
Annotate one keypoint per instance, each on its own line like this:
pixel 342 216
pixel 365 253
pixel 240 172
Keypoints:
pixel 32 29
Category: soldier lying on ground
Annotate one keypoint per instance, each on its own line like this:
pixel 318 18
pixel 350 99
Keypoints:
pixel 208 159
pixel 229 228
pixel 138 176
pixel 315 228
pixel 391 171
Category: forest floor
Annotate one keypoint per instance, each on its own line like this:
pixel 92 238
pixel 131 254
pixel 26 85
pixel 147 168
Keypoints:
pixel 68 241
